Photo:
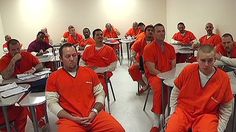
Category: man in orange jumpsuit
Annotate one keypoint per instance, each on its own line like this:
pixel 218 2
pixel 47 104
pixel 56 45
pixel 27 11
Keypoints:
pixel 134 31
pixel 159 56
pixel 79 100
pixel 201 100
pixel 87 39
pixel 136 54
pixel 100 57
pixel 13 63
pixel 74 37
pixel 110 31
pixel 226 52
pixel 184 38
pixel 211 38
pixel 67 33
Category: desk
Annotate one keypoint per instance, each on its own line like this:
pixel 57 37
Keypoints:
pixel 32 100
pixel 116 45
pixel 183 53
pixel 128 42
pixel 5 102
pixel 166 92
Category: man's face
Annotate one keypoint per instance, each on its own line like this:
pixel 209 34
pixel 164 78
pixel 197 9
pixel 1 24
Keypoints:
pixel 206 62
pixel 181 28
pixel 142 27
pixel 159 32
pixel 72 31
pixel 135 25
pixel 69 58
pixel 41 37
pixel 209 28
pixel 14 49
pixel 228 43
pixel 86 33
pixel 7 38
pixel 109 27
pixel 149 33
pixel 98 37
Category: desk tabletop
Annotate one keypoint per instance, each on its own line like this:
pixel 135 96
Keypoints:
pixel 3 82
pixel 174 72
pixel 13 99
pixel 33 99
pixel 183 49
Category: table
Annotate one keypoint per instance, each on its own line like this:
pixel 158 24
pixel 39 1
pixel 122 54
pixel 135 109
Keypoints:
pixel 183 53
pixel 173 73
pixel 113 42
pixel 32 100
pixel 128 42
pixel 5 102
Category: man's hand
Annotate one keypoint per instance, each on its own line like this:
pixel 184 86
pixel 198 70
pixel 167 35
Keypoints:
pixel 39 53
pixel 17 57
pixel 218 56
pixel 85 121
pixel 31 71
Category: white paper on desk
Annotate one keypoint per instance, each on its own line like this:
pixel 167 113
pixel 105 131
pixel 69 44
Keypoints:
pixel 13 91
pixel 42 73
pixel 8 86
pixel 25 76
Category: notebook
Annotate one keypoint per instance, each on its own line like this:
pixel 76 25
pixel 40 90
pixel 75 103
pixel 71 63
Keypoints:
pixel 13 91
pixel 8 86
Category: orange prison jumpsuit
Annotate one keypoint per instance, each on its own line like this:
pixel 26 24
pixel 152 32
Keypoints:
pixel 198 106
pixel 162 60
pixel 27 62
pixel 89 41
pixel 185 39
pixel 214 40
pixel 134 70
pixel 132 32
pixel 100 58
pixel 75 40
pixel 66 34
pixel 220 49
pixel 77 98
pixel 111 34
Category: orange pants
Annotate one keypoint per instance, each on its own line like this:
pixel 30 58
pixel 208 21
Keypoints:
pixel 40 112
pixel 181 121
pixel 156 85
pixel 103 122
pixel 16 114
pixel 103 81
pixel 135 72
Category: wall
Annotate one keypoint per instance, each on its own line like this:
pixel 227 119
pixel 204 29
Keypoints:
pixel 195 14
pixel 24 18
pixel 2 40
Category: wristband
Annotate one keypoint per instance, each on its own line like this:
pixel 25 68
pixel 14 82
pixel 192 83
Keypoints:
pixel 95 111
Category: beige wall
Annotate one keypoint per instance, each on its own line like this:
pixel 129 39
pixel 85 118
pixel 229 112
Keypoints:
pixel 1 35
pixel 196 13
pixel 23 19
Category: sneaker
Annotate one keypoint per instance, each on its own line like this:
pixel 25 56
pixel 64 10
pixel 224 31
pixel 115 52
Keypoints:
pixel 155 129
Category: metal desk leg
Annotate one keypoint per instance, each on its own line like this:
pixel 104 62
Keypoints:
pixel 121 50
pixel 127 45
pixel 4 110
pixel 34 119
pixel 234 112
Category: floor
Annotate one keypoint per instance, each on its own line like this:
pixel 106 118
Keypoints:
pixel 128 107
